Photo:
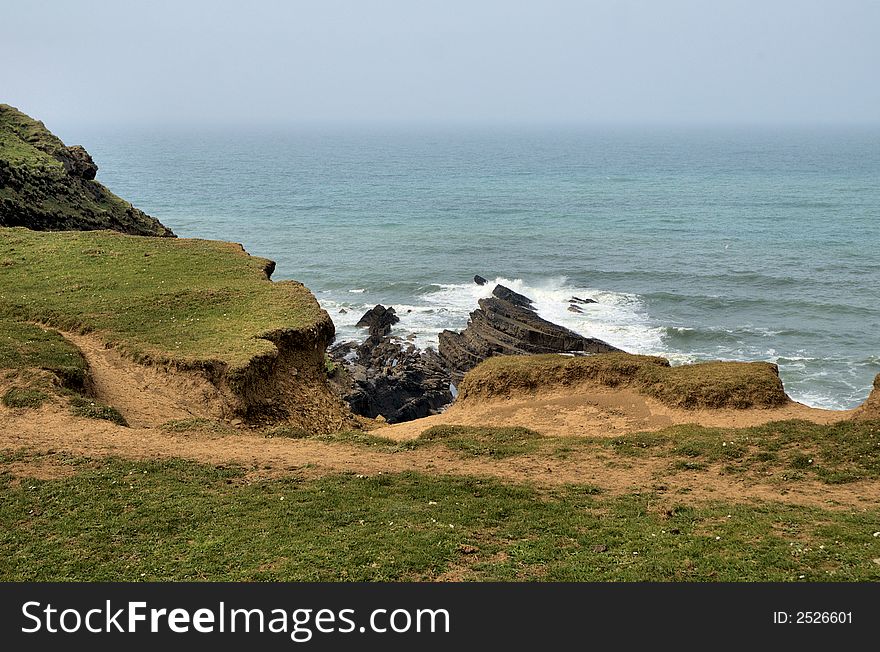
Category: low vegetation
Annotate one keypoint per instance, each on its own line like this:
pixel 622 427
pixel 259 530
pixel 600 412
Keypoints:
pixel 23 397
pixel 189 302
pixel 26 347
pixel 479 441
pixel 198 424
pixel 785 450
pixel 47 186
pixel 113 520
pixel 701 385
pixel 84 407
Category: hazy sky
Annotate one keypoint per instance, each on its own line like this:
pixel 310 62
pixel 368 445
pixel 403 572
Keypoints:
pixel 545 61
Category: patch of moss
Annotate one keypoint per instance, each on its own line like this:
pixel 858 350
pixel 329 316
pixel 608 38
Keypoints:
pixel 22 397
pixel 491 442
pixel 83 407
pixel 287 431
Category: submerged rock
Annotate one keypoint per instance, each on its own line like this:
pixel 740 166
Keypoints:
pixel 582 301
pixel 506 324
pixel 479 280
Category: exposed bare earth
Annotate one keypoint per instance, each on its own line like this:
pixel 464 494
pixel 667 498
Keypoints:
pixel 149 397
pixel 596 411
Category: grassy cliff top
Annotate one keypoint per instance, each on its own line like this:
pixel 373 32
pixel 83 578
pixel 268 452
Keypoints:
pixel 187 302
pixel 693 386
pixel 47 186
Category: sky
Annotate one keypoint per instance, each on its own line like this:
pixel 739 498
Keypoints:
pixel 449 61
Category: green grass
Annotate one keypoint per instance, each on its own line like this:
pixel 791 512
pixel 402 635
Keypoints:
pixel 198 424
pixel 21 397
pixel 701 385
pixel 469 440
pixel 843 452
pixel 26 142
pixel 36 191
pixel 26 347
pixel 194 303
pixel 484 441
pixel 174 520
pixel 84 407
pixel 370 440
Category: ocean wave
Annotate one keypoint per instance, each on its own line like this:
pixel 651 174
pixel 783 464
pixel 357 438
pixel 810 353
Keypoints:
pixel 620 318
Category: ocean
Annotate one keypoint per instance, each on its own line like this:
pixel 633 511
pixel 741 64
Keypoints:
pixel 698 244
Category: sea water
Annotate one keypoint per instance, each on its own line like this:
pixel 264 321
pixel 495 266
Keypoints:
pixel 697 244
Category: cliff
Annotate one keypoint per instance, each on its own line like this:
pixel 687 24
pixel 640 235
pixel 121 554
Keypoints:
pixel 48 186
pixel 191 324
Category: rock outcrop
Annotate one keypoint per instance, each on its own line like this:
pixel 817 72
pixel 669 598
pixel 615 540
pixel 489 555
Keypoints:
pixel 870 409
pixel 378 320
pixel 507 324
pixel 48 186
pixel 388 378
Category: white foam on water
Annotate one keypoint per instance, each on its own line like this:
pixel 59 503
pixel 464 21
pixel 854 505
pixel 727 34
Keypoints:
pixel 619 318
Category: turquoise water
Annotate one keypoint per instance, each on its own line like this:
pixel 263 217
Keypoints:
pixel 732 244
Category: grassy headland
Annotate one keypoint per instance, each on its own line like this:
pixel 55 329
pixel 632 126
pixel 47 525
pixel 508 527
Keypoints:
pixel 187 304
pixel 46 185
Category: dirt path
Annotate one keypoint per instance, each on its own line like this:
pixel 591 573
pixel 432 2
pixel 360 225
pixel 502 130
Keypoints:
pixel 53 429
pixel 151 396
pixel 145 395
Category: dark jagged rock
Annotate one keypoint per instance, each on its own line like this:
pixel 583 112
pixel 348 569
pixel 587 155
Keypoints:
pixel 479 280
pixel 379 320
pixel 582 301
pixel 506 324
pixel 78 162
pixel 517 299
pixel 383 376
pixel 48 186
pixel 574 308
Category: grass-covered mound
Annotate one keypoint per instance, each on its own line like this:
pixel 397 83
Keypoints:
pixel 25 348
pixel 188 304
pixel 175 520
pixel 46 185
pixel 477 440
pixel 36 364
pixel 702 385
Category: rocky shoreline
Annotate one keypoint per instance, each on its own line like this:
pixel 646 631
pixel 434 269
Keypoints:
pixel 386 378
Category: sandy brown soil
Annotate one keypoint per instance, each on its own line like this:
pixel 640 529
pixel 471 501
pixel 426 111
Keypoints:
pixel 146 395
pixel 54 429
pixel 598 411
pixel 149 397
